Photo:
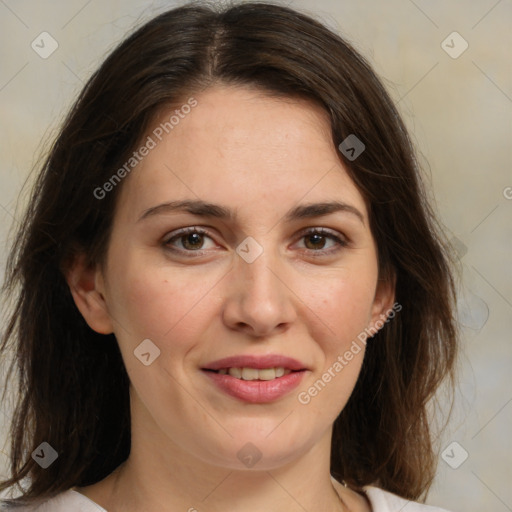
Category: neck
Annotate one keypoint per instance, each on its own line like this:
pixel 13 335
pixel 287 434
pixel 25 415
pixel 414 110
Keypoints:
pixel 137 485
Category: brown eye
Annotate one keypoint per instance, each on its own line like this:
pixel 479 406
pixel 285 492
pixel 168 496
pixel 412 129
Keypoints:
pixel 192 241
pixel 189 240
pixel 315 241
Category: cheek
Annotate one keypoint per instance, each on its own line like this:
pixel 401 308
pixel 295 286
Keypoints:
pixel 343 306
pixel 160 303
pixel 344 310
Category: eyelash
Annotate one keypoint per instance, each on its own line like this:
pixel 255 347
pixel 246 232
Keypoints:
pixel 312 231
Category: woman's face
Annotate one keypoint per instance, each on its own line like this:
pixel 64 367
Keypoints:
pixel 252 278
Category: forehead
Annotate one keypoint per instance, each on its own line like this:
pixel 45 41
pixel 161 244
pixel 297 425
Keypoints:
pixel 242 147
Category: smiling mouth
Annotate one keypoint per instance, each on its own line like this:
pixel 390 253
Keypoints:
pixel 249 374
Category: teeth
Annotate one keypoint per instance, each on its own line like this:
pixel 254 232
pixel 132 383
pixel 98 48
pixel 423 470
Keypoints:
pixel 266 374
pixel 254 373
pixel 235 372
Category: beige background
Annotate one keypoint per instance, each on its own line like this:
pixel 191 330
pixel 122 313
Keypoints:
pixel 459 112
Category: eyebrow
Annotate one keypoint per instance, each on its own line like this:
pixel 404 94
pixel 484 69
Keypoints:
pixel 205 209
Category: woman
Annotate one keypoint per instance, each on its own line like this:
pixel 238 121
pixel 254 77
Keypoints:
pixel 233 292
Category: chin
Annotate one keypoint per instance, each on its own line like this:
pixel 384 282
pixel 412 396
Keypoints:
pixel 259 451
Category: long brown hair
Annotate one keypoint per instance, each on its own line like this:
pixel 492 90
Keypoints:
pixel 72 387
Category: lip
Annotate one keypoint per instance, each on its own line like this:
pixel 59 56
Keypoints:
pixel 256 391
pixel 258 362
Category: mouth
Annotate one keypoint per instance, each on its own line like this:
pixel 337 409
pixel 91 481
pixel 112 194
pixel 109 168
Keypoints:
pixel 247 363
pixel 250 374
pixel 255 390
pixel 256 379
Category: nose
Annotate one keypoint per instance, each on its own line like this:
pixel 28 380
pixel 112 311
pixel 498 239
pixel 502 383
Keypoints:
pixel 259 301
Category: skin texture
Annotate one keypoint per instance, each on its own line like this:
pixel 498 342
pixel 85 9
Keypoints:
pixel 260 156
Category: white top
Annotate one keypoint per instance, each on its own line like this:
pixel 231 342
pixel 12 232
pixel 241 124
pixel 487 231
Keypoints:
pixel 73 501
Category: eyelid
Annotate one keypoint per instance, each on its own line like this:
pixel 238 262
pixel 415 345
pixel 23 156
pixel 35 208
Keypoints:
pixel 185 231
pixel 324 231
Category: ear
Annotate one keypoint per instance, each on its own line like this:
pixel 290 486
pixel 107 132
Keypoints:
pixel 87 288
pixel 383 302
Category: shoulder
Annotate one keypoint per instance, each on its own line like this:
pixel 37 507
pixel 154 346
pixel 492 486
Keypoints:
pixel 67 501
pixel 384 501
